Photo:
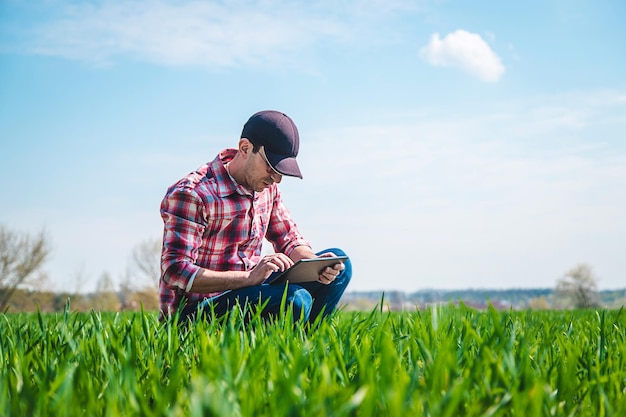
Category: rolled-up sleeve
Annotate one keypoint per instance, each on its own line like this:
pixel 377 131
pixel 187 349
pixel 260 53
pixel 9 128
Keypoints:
pixel 184 224
pixel 282 230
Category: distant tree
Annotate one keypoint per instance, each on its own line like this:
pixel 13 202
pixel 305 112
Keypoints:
pixel 78 298
pixel 580 286
pixel 21 256
pixel 146 261
pixel 106 298
pixel 139 286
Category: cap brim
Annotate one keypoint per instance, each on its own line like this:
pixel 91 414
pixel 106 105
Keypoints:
pixel 284 165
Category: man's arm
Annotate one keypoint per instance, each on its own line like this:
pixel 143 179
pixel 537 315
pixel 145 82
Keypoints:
pixel 302 252
pixel 208 281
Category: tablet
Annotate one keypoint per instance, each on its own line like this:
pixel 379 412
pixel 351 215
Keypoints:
pixel 306 270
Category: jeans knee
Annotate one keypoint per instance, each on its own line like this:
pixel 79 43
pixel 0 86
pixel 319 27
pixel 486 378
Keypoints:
pixel 302 302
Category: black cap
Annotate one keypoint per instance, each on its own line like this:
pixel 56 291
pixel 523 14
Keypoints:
pixel 277 133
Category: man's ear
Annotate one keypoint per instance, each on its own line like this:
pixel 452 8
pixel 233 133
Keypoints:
pixel 245 147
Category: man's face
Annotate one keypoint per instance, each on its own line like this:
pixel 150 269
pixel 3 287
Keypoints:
pixel 259 173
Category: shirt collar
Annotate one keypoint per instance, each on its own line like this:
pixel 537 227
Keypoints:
pixel 226 184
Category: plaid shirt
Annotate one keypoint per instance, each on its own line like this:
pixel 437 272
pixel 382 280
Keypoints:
pixel 212 222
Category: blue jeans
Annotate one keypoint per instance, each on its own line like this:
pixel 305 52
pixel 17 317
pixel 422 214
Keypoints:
pixel 307 300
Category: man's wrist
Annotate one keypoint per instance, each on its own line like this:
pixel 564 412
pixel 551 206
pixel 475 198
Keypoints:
pixel 302 252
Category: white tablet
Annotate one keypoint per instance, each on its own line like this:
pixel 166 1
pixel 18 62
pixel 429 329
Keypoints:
pixel 306 270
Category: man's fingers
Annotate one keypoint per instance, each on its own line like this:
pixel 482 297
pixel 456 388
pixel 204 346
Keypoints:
pixel 279 261
pixel 272 266
pixel 335 269
pixel 282 263
pixel 330 273
pixel 272 263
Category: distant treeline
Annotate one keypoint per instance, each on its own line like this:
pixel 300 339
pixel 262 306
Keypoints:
pixel 147 298
pixel 49 301
pixel 517 298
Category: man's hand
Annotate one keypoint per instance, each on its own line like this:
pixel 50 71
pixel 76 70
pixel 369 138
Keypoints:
pixel 268 265
pixel 329 273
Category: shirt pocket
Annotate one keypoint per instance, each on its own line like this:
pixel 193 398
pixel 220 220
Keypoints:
pixel 228 223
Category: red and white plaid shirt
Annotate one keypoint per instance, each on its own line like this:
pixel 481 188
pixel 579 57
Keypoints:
pixel 212 222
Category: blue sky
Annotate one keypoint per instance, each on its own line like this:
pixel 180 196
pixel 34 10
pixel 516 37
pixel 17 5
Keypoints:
pixel 445 144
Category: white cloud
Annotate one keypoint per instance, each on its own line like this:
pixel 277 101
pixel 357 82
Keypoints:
pixel 464 50
pixel 195 33
pixel 206 34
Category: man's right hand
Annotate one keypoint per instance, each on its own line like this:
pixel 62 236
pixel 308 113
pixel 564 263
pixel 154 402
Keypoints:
pixel 268 265
pixel 208 281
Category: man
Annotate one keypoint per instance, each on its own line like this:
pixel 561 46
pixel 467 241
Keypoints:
pixel 215 220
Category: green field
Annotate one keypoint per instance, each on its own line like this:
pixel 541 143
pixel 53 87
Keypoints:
pixel 444 361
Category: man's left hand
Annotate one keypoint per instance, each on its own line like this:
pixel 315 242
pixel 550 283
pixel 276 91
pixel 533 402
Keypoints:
pixel 328 275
